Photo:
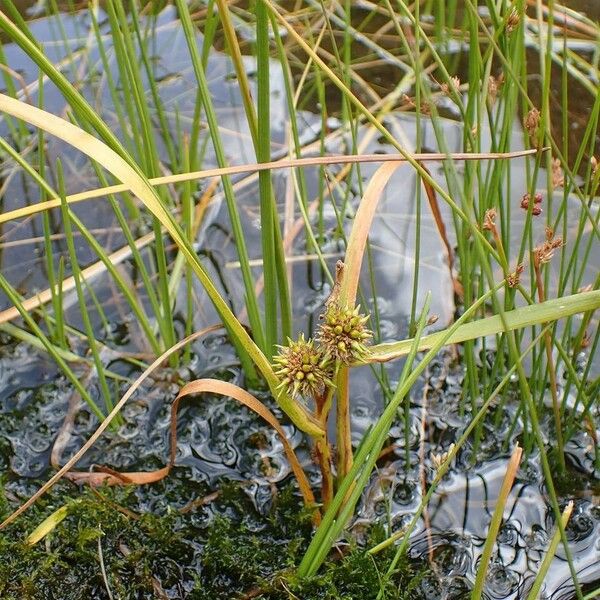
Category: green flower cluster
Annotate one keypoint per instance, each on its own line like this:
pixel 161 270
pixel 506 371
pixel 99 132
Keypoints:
pixel 306 367
pixel 343 333
pixel 302 367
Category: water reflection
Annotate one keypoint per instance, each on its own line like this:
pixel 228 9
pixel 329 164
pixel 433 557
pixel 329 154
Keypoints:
pixel 457 522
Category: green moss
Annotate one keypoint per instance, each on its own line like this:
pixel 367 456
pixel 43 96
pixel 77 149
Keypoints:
pixel 244 551
pixel 239 561
pixel 66 563
pixel 224 549
pixel 357 576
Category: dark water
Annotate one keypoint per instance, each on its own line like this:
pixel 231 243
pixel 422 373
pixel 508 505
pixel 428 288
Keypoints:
pixel 218 439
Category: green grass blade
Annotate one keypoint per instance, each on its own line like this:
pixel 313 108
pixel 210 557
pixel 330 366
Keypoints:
pixel 211 117
pixel 75 269
pixel 534 592
pixel 534 314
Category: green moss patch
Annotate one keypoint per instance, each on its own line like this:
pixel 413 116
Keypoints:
pixel 224 548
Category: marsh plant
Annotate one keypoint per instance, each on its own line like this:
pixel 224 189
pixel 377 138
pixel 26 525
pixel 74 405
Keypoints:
pixel 145 173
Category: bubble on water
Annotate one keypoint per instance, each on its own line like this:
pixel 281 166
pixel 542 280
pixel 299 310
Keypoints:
pixel 501 582
pixel 508 534
pixel 404 493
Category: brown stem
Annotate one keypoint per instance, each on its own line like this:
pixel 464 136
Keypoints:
pixel 343 424
pixel 323 449
pixel 323 452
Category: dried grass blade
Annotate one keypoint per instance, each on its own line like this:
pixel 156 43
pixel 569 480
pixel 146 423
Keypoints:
pixel 107 476
pixel 224 388
pixel 434 207
pixel 347 297
pixel 94 148
pixel 68 284
pixel 486 555
pixel 360 231
pixel 341 159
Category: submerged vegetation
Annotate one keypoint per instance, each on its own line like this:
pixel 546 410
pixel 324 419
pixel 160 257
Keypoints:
pixel 387 196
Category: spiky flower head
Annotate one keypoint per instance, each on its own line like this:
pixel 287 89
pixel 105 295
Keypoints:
pixel 343 333
pixel 303 368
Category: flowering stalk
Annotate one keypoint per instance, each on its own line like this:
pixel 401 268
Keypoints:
pixel 344 335
pixel 305 371
pixel 307 368
pixel 542 254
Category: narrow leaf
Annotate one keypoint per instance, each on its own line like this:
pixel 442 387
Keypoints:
pixel 48 525
pixel 534 314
